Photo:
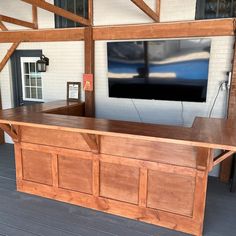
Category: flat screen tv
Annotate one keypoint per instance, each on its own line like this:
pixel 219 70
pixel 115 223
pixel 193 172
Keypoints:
pixel 175 70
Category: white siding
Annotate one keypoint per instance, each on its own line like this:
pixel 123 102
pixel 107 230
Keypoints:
pixel 177 10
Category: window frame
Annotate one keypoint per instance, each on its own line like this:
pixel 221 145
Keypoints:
pixel 30 60
pixel 61 22
pixel 201 10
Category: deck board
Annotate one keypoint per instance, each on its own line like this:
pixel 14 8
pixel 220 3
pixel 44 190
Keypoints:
pixel 27 215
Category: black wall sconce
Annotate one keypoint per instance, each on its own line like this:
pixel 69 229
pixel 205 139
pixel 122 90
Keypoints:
pixel 42 64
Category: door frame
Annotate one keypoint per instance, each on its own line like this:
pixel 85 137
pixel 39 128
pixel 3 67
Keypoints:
pixel 16 73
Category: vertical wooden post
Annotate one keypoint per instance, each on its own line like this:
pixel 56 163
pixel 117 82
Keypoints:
pixel 90 11
pixel 18 163
pixel 35 16
pixel 89 69
pixel 158 9
pixel 226 165
pixel 204 158
pixel 2 140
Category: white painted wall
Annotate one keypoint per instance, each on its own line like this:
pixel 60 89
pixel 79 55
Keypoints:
pixel 66 63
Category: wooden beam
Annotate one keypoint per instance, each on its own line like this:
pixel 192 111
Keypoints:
pixel 35 16
pixel 3 27
pixel 202 28
pixel 10 131
pixel 158 9
pixel 17 21
pixel 47 35
pixel 90 11
pixel 59 11
pixel 2 139
pixel 89 69
pixel 222 157
pixel 146 9
pixel 8 55
pixel 226 165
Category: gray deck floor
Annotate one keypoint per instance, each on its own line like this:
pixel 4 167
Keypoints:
pixel 27 215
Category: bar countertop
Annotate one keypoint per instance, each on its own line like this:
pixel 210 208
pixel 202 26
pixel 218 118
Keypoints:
pixel 205 132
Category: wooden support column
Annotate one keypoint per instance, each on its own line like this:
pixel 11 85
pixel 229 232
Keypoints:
pixel 35 16
pixel 90 11
pixel 158 9
pixel 8 55
pixel 2 140
pixel 89 69
pixel 226 165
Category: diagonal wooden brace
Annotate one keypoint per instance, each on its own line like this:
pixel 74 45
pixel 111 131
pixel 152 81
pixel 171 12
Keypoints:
pixel 11 131
pixel 222 157
pixel 92 141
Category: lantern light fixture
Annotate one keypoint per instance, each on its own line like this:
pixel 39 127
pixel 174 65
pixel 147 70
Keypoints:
pixel 42 64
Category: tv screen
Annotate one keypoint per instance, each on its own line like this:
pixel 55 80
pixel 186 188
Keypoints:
pixel 175 70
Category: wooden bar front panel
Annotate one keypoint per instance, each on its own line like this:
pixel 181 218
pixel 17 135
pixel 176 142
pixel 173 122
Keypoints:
pixel 144 180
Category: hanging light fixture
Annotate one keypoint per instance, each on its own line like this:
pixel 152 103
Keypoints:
pixel 42 64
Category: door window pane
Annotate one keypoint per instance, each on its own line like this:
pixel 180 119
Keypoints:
pixel 32 82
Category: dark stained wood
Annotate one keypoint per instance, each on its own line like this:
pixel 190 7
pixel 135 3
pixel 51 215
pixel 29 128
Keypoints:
pixel 146 9
pixel 8 55
pixel 17 21
pixel 225 170
pixel 70 109
pixel 59 11
pixel 201 28
pixel 89 69
pixel 42 35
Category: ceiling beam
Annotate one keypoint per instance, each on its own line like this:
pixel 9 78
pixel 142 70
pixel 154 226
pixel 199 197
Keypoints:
pixel 46 35
pixel 59 11
pixel 202 28
pixel 17 21
pixel 8 55
pixel 146 9
pixel 3 27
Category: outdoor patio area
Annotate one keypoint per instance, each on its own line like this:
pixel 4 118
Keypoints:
pixel 24 215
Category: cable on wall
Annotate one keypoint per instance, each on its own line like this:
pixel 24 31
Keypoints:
pixel 138 113
pixel 215 99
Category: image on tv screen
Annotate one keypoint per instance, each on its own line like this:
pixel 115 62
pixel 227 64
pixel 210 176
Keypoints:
pixel 175 70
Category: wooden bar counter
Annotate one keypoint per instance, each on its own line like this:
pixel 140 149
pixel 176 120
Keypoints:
pixel 152 173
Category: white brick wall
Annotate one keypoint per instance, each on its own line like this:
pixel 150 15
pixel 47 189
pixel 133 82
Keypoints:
pixel 66 63
pixel 177 10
